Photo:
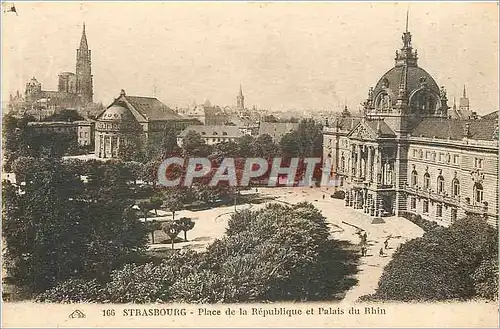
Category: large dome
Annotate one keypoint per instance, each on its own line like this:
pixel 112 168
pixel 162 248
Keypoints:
pixel 116 113
pixel 417 79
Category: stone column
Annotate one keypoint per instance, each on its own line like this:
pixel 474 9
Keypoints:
pixel 370 164
pixel 358 153
pixel 376 166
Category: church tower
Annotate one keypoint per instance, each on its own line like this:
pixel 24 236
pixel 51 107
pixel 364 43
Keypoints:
pixel 83 72
pixel 240 100
pixel 464 103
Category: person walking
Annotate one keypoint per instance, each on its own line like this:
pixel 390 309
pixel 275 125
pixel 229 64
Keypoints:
pixel 386 244
pixel 323 197
pixel 381 252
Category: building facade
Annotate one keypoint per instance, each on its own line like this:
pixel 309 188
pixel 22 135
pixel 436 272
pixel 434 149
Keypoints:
pixel 133 122
pixel 406 153
pixel 82 130
pixel 212 134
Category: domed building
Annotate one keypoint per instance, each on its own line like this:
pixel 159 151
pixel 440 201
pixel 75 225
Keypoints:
pixel 406 154
pixel 130 123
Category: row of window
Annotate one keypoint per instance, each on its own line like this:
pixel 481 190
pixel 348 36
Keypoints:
pixel 443 157
pixel 455 185
pixel 439 209
pixel 436 156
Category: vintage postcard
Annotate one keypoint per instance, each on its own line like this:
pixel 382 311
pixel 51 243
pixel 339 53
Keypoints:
pixel 250 164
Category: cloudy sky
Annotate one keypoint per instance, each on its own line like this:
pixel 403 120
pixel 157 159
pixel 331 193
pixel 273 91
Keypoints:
pixel 286 55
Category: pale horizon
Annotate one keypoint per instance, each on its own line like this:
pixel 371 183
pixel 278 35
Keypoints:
pixel 285 55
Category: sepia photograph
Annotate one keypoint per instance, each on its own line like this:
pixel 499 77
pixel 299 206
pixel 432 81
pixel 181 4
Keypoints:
pixel 250 164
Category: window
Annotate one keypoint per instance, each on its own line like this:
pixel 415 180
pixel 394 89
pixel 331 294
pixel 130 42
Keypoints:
pixel 342 163
pixel 415 153
pixel 478 193
pixel 453 215
pixel 441 157
pixel 440 184
pixel 455 187
pixel 427 181
pixel 425 207
pixel 455 159
pixel 413 203
pixel 478 163
pixel 433 156
pixel 427 155
pixel 439 210
pixel 414 178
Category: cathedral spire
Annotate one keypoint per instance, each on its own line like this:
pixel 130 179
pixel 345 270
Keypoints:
pixel 240 100
pixel 83 42
pixel 465 93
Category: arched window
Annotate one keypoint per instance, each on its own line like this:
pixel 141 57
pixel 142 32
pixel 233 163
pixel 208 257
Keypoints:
pixel 440 184
pixel 414 178
pixel 342 163
pixel 455 187
pixel 427 180
pixel 478 192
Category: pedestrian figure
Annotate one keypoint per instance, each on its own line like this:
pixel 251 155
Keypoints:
pixel 381 252
pixel 363 251
pixel 323 197
pixel 386 244
pixel 365 236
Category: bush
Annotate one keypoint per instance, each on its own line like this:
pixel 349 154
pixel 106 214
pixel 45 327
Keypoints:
pixel 486 279
pixel 450 263
pixel 281 253
pixel 149 283
pixel 74 291
pixel 424 224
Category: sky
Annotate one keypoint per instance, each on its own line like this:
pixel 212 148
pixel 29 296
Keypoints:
pixel 285 55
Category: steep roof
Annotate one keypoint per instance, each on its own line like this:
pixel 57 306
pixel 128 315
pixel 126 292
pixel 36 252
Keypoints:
pixel 277 129
pixel 346 123
pixel 145 108
pixel 445 128
pixel 152 108
pixel 490 116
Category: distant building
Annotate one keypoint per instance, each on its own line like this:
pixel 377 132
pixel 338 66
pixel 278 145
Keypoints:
pixel 405 154
pixel 83 131
pixel 212 134
pixel 277 129
pixel 463 111
pixel 134 121
pixel 75 90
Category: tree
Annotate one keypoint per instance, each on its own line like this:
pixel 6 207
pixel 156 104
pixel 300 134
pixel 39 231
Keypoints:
pixel 173 202
pixel 306 141
pixel 264 147
pixel 145 207
pixel 60 228
pixel 172 229
pixel 194 145
pixel 444 264
pixel 280 253
pixel 155 203
pixel 245 146
pixel 185 224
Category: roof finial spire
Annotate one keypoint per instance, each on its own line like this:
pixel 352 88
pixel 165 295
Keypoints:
pixel 407 12
pixel 465 93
